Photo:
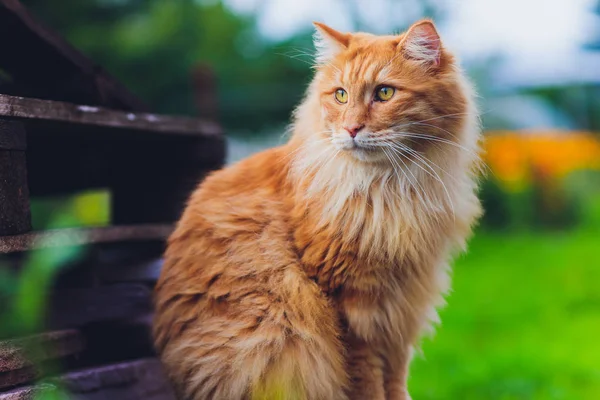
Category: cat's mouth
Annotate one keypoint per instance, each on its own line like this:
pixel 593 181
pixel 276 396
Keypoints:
pixel 360 148
pixel 364 152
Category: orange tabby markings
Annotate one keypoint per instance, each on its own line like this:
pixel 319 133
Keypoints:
pixel 310 270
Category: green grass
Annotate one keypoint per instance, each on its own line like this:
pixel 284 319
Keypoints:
pixel 522 322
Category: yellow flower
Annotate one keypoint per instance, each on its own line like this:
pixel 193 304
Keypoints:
pixel 517 158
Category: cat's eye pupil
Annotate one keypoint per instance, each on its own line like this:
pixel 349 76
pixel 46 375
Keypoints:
pixel 384 93
pixel 341 96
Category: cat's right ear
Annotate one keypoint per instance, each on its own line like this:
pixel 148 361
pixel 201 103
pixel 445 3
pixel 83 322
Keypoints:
pixel 329 42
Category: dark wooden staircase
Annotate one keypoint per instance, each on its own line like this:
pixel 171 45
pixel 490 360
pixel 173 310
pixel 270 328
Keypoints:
pixel 68 126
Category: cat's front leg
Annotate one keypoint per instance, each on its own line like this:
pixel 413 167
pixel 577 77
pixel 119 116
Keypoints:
pixel 366 370
pixel 396 374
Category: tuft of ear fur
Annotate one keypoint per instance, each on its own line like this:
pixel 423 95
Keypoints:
pixel 422 43
pixel 328 42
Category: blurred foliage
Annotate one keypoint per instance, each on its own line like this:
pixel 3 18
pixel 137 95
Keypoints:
pixel 25 290
pixel 153 46
pixel 90 208
pixel 540 179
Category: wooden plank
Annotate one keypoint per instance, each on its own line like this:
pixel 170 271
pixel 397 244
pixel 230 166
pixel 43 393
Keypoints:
pixel 56 111
pixel 71 308
pixel 15 215
pixel 53 344
pixel 83 236
pixel 12 135
pixel 133 380
pixel 19 357
pixel 28 392
pixel 42 64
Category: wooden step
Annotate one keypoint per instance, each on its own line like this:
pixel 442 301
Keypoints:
pixel 132 380
pixel 30 109
pixel 28 392
pixel 20 357
pixel 83 236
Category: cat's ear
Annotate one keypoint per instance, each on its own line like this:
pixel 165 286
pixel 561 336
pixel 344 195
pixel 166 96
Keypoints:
pixel 329 42
pixel 422 43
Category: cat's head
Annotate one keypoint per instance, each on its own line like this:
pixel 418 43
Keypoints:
pixel 381 97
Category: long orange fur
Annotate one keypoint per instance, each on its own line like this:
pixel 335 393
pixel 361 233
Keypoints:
pixel 310 270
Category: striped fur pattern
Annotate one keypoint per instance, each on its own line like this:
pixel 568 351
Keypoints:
pixel 309 271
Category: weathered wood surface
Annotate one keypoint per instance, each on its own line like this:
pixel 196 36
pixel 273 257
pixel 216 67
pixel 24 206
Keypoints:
pixel 134 380
pixel 83 236
pixel 72 308
pixel 12 135
pixel 28 392
pixel 18 357
pixel 51 345
pixel 15 215
pixel 42 64
pixel 150 176
pixel 56 111
pixel 149 163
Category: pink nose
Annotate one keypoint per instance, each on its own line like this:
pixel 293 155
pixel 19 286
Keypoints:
pixel 353 129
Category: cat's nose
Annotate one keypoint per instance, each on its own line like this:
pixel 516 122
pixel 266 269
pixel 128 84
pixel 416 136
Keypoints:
pixel 354 129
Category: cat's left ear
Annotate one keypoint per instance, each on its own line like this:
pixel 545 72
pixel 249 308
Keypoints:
pixel 329 42
pixel 422 43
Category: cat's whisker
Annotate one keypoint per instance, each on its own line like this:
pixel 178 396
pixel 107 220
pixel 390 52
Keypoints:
pixel 427 160
pixel 436 127
pixel 436 177
pixel 444 116
pixel 430 119
pixel 441 140
pixel 324 161
pixel 405 134
pixel 483 163
pixel 317 65
pixel 395 168
pixel 418 184
pixel 439 146
pixel 400 148
pixel 297 58
pixel 298 53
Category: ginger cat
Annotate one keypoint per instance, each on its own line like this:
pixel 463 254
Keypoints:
pixel 309 271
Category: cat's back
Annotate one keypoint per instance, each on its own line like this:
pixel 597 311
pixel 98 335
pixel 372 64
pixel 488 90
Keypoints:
pixel 234 220
pixel 254 179
pixel 219 244
pixel 231 284
pixel 231 207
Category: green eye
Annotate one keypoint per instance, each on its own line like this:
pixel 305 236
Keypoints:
pixel 341 96
pixel 384 93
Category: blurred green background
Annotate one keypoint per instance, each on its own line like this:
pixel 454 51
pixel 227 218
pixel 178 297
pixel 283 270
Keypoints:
pixel 523 320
